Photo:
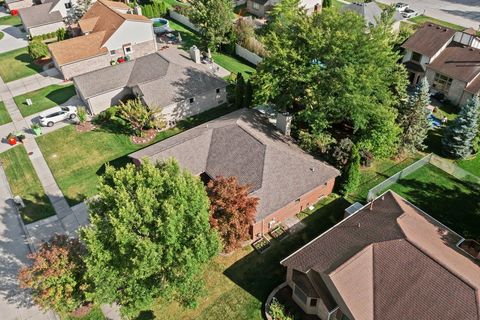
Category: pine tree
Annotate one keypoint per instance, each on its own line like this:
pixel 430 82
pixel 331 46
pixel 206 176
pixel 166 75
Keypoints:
pixel 352 175
pixel 240 91
pixel 460 133
pixel 413 119
pixel 248 98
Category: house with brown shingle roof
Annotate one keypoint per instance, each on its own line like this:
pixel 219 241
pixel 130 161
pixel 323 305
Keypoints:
pixel 387 261
pixel 449 59
pixel 244 144
pixel 110 30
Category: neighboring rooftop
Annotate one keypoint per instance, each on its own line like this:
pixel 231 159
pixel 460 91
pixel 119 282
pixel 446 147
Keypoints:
pixel 161 81
pixel 370 11
pixel 39 15
pixel 98 23
pixel 244 144
pixel 392 262
pixel 429 39
pixel 458 62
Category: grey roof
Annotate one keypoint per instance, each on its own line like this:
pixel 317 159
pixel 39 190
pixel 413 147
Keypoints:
pixel 245 145
pixel 370 11
pixel 39 15
pixel 161 82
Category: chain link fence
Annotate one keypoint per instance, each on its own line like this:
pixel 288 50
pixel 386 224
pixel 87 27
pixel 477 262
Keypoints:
pixel 443 164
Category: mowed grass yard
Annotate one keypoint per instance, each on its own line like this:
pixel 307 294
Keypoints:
pixel 10 21
pixel 77 159
pixel 24 182
pixel 4 116
pixel 44 98
pixel 231 63
pixel 17 64
pixel 238 285
pixel 453 202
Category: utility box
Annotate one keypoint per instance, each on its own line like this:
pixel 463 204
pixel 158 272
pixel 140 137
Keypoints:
pixel 195 54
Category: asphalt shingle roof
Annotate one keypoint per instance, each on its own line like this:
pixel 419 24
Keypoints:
pixel 245 145
pixel 39 15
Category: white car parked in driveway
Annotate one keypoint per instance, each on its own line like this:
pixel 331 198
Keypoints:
pixel 51 116
pixel 400 6
pixel 409 13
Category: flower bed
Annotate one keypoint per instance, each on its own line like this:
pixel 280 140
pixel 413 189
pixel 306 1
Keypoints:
pixel 146 137
pixel 279 233
pixel 261 245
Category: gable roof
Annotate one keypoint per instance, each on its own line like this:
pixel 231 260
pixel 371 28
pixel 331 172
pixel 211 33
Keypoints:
pixel 394 262
pixel 160 81
pixel 244 144
pixel 100 22
pixel 370 11
pixel 429 39
pixel 39 15
pixel 458 62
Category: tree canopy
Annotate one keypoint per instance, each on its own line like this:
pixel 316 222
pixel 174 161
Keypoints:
pixel 57 275
pixel 232 211
pixel 149 236
pixel 215 20
pixel 338 77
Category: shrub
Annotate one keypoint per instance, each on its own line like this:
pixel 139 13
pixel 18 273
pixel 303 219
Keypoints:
pixel 82 114
pixel 37 49
pixel 277 311
pixel 61 34
pixel 352 175
pixel 341 152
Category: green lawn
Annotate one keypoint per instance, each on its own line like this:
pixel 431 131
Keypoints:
pixel 232 64
pixel 471 165
pixel 77 159
pixel 238 285
pixel 94 314
pixel 423 19
pixel 10 21
pixel 4 116
pixel 44 98
pixel 24 182
pixel 379 171
pixel 453 202
pixel 17 64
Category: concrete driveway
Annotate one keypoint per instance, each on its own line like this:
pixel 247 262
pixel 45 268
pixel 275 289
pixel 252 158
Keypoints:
pixel 15 303
pixel 13 38
pixel 462 12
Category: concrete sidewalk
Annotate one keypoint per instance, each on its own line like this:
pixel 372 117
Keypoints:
pixel 15 303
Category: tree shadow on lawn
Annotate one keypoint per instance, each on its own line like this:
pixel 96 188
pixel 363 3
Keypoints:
pixel 259 274
pixel 61 95
pixel 456 206
pixel 26 59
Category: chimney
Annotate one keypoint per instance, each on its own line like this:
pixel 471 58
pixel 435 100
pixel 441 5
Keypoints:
pixel 284 122
pixel 195 54
pixel 137 10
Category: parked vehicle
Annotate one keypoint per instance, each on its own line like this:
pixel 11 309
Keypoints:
pixel 409 13
pixel 400 6
pixel 51 116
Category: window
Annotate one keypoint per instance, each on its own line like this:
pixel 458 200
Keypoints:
pixel 218 90
pixel 68 5
pixel 256 6
pixel 417 57
pixel 127 49
pixel 113 52
pixel 300 295
pixel 442 83
pixel 313 302
pixel 191 100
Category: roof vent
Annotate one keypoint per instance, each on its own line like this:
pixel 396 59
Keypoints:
pixel 312 169
pixel 438 27
pixel 430 25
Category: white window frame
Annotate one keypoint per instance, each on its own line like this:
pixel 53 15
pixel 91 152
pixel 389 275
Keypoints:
pixel 127 47
pixel 256 6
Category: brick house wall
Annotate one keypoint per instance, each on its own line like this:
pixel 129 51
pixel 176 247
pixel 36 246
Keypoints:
pixel 293 208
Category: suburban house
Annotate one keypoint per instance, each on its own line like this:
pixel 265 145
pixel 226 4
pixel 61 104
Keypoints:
pixel 176 88
pixel 449 59
pixel 110 31
pixel 246 145
pixel 389 260
pixel 46 17
pixel 372 13
pixel 260 8
pixel 18 4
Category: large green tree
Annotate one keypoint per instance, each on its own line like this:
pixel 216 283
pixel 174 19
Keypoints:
pixel 336 75
pixel 458 141
pixel 214 19
pixel 413 119
pixel 149 236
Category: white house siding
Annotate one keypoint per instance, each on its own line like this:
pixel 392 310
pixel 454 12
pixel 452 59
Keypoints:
pixel 52 27
pixel 408 56
pixel 204 102
pixel 131 32
pixel 456 90
pixel 103 101
pixel 80 67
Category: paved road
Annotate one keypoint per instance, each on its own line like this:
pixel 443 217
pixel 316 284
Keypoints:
pixel 15 303
pixel 13 38
pixel 462 12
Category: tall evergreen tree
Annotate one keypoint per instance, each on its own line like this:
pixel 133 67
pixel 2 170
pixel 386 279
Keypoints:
pixel 413 119
pixel 352 174
pixel 240 91
pixel 460 134
pixel 149 236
